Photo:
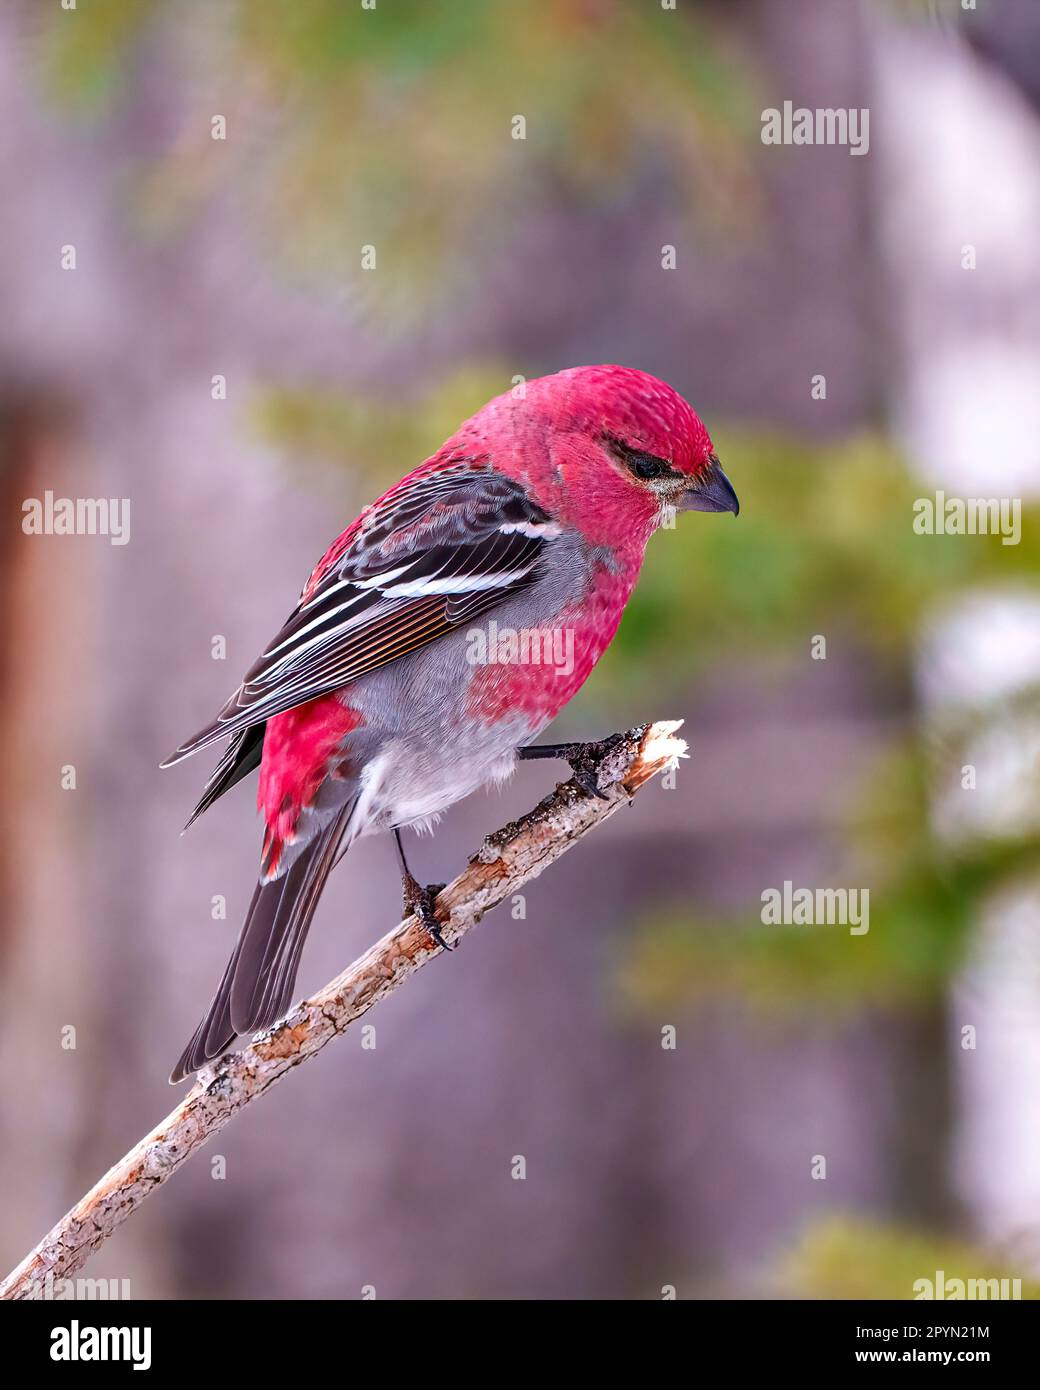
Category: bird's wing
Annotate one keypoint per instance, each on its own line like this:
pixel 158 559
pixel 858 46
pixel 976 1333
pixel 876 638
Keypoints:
pixel 437 551
pixel 240 758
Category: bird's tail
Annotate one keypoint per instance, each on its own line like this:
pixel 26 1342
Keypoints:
pixel 257 986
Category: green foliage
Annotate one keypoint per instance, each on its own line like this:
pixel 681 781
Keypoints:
pixel 920 932
pixel 89 50
pixel 393 127
pixel 846 1258
pixel 926 895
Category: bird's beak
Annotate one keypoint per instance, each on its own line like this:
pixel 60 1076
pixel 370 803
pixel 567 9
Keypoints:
pixel 712 492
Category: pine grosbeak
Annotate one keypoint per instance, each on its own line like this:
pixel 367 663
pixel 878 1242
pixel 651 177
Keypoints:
pixel 367 711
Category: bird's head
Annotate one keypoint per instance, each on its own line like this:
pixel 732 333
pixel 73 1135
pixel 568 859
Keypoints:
pixel 613 450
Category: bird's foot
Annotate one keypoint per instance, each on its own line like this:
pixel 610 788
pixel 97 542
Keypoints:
pixel 421 901
pixel 584 759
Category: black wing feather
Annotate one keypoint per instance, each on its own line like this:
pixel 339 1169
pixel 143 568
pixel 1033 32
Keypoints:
pixel 241 757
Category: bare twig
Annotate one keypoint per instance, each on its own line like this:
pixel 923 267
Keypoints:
pixel 506 860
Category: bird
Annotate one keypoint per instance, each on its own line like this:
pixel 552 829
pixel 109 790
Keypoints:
pixel 381 702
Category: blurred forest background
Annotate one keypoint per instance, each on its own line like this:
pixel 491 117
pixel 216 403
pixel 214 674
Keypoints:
pixel 241 258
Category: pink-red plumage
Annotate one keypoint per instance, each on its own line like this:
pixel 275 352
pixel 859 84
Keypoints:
pixel 301 748
pixel 499 689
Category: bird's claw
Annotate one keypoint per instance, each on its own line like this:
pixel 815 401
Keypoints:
pixel 587 780
pixel 584 760
pixel 421 902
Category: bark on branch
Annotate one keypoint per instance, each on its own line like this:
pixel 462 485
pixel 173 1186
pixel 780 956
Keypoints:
pixel 507 859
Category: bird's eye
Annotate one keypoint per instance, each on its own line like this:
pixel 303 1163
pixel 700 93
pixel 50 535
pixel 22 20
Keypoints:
pixel 646 466
pixel 643 465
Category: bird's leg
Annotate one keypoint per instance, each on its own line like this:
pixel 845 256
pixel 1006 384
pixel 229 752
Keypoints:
pixel 418 899
pixel 584 759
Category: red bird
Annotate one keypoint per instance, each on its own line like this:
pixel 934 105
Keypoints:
pixel 406 676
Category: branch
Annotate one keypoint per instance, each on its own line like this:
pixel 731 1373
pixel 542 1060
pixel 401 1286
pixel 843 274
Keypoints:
pixel 506 860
